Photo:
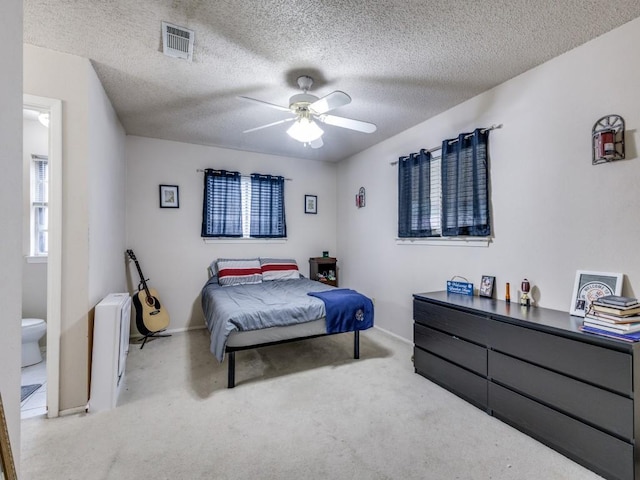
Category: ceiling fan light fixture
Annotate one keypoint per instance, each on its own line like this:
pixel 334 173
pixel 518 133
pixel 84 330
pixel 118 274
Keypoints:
pixel 305 130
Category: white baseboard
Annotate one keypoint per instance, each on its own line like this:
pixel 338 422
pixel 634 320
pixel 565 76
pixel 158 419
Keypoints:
pixel 186 329
pixel 171 330
pixel 72 411
pixel 395 335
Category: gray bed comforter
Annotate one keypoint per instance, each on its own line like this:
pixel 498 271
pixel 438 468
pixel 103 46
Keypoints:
pixel 252 307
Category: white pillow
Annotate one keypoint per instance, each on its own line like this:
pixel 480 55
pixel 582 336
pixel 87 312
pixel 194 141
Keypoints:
pixel 238 271
pixel 279 269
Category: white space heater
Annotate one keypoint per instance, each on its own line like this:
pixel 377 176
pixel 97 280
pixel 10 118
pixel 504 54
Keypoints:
pixel 110 348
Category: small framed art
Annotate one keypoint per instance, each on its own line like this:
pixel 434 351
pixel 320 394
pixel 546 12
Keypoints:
pixel 486 286
pixel 590 286
pixel 169 196
pixel 311 204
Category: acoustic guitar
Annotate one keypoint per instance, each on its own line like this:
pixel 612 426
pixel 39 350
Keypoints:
pixel 151 317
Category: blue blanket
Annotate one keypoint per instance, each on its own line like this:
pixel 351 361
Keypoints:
pixel 347 310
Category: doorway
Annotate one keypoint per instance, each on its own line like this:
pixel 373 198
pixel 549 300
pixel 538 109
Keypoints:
pixel 54 258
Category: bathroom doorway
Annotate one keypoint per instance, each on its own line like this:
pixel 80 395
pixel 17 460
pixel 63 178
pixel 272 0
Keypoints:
pixel 50 111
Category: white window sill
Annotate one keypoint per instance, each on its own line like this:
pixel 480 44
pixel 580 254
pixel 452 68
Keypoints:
pixel 447 241
pixel 39 259
pixel 244 240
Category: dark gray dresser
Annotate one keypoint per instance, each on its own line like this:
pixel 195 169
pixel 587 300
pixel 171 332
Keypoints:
pixel 533 369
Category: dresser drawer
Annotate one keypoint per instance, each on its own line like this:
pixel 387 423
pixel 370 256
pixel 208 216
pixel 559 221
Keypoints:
pixel 463 383
pixel 598 365
pixel 604 409
pixel 602 453
pixel 454 349
pixel 461 324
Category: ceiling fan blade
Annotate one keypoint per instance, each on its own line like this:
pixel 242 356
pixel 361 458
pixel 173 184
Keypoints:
pixel 316 143
pixel 261 102
pixel 358 125
pixel 270 124
pixel 329 102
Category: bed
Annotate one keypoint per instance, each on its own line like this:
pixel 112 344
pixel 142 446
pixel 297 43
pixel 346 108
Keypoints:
pixel 251 303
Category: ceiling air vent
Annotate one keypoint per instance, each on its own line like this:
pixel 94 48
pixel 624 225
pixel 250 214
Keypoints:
pixel 177 41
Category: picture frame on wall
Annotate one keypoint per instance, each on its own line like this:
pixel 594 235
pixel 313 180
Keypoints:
pixel 589 286
pixel 486 286
pixel 169 196
pixel 311 204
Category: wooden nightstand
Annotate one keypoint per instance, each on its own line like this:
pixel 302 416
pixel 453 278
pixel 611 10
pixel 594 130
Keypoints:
pixel 324 269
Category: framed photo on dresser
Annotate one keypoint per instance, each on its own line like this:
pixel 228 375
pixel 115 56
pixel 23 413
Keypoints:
pixel 486 286
pixel 589 286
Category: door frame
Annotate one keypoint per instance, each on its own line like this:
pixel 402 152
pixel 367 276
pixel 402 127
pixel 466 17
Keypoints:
pixel 54 260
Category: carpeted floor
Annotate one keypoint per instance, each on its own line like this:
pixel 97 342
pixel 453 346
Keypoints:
pixel 27 390
pixel 304 410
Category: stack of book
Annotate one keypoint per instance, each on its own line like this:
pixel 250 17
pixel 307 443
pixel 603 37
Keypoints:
pixel 614 316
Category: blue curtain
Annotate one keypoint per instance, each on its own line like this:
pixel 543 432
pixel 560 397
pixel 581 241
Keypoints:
pixel 465 185
pixel 414 195
pixel 222 206
pixel 267 207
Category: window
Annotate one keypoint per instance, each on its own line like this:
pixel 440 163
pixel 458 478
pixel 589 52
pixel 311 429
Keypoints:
pixel 446 195
pixel 39 205
pixel 419 193
pixel 267 207
pixel 243 207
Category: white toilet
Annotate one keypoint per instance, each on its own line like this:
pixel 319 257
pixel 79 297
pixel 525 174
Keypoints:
pixel 33 330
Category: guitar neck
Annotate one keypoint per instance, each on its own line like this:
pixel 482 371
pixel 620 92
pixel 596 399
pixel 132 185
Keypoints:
pixel 142 280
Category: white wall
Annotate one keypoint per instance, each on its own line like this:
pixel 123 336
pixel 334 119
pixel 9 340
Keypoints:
pixel 11 218
pixel 167 241
pixel 34 290
pixel 106 196
pixel 553 212
pixel 92 140
pixel 35 141
pixel 57 75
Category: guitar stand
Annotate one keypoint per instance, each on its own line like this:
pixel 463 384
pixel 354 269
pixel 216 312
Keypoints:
pixel 152 335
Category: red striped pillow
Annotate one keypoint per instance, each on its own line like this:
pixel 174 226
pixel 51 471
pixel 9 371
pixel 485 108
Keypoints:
pixel 239 271
pixel 279 269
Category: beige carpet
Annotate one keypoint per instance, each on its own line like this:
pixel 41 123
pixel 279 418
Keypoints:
pixel 304 410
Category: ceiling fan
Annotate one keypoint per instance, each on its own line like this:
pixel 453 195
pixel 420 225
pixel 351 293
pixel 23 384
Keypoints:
pixel 307 108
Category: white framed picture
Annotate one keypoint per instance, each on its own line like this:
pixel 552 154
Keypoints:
pixel 590 286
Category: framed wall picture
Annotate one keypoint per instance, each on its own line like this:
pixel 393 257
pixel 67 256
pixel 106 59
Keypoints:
pixel 486 286
pixel 589 286
pixel 169 196
pixel 311 204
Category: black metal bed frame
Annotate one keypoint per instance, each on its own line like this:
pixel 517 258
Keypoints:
pixel 231 351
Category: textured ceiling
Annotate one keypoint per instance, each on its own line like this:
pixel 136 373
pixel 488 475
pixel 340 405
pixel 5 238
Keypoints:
pixel 401 62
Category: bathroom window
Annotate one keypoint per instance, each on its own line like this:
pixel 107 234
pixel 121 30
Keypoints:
pixel 39 205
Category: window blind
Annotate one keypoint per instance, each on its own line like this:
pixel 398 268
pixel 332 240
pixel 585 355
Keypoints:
pixel 239 206
pixel 267 207
pixel 40 205
pixel 446 195
pixel 222 208
pixel 465 185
